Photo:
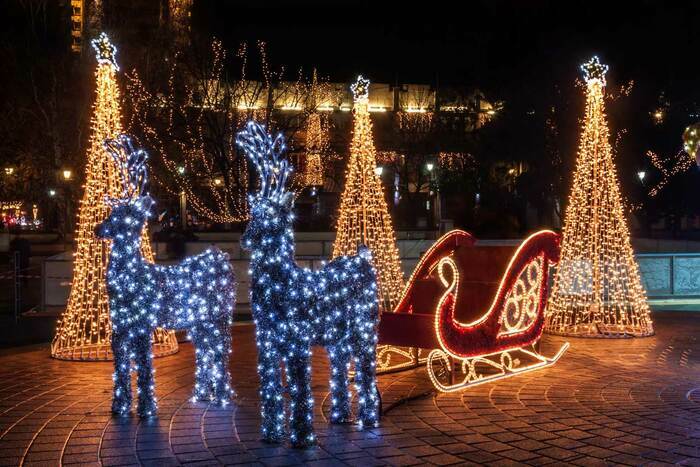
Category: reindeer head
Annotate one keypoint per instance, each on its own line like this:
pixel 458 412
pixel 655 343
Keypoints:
pixel 271 207
pixel 132 208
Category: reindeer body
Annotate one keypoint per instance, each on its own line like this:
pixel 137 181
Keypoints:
pixel 196 295
pixel 294 309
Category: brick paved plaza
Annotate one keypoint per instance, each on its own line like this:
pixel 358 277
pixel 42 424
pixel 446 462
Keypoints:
pixel 633 402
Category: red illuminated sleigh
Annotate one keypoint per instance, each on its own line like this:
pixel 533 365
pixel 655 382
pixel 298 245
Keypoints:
pixel 481 323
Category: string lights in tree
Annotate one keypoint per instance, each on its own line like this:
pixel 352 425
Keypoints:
pixel 84 329
pixel 669 168
pixel 196 295
pixel 316 146
pixel 691 140
pixel 456 161
pixel 319 95
pixel 189 121
pixel 597 289
pixel 364 215
pixel 179 19
pixel 294 308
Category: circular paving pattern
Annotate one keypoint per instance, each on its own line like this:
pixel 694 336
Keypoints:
pixel 605 402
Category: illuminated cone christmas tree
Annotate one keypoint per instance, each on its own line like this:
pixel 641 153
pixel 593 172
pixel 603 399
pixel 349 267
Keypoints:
pixel 597 289
pixel 84 330
pixel 364 216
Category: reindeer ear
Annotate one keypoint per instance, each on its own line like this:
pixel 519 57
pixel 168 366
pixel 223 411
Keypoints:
pixel 145 202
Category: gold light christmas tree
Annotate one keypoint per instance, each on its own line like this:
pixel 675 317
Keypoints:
pixel 364 216
pixel 84 330
pixel 597 289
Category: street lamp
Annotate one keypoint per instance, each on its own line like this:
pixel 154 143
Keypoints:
pixel 217 181
pixel 52 192
pixel 67 197
pixel 641 174
pixel 429 166
pixel 9 171
pixel 378 170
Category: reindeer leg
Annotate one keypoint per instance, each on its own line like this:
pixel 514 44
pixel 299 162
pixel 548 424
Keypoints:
pixel 301 399
pixel 365 378
pixel 271 392
pixel 222 388
pixel 340 392
pixel 201 372
pixel 121 399
pixel 146 380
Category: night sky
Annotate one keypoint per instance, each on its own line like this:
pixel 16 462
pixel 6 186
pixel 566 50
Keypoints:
pixel 503 47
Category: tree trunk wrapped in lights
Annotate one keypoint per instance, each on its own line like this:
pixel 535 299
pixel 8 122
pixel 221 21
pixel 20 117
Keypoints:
pixel 316 145
pixel 597 289
pixel 364 216
pixel 84 330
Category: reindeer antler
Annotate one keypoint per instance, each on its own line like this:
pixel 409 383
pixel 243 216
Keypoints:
pixel 131 164
pixel 266 154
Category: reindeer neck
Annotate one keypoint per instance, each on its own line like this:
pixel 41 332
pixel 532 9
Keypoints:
pixel 277 253
pixel 125 252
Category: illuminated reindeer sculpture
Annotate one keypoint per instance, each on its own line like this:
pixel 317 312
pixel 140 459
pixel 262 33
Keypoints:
pixel 198 295
pixel 294 308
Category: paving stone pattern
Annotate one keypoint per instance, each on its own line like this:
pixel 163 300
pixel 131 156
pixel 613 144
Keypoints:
pixel 633 402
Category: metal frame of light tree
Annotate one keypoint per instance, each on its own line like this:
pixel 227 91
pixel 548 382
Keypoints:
pixel 364 219
pixel 84 329
pixel 597 288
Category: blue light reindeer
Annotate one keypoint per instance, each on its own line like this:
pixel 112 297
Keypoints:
pixel 197 295
pixel 294 308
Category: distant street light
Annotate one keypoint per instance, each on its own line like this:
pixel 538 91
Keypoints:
pixel 658 116
pixel 67 174
pixel 52 192
pixel 429 166
pixel 641 174
pixel 9 171
pixel 379 170
pixel 217 181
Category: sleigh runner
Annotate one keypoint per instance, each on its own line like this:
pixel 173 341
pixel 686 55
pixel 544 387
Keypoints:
pixel 442 310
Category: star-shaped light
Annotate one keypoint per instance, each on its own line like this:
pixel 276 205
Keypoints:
pixel 106 51
pixel 594 70
pixel 360 88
